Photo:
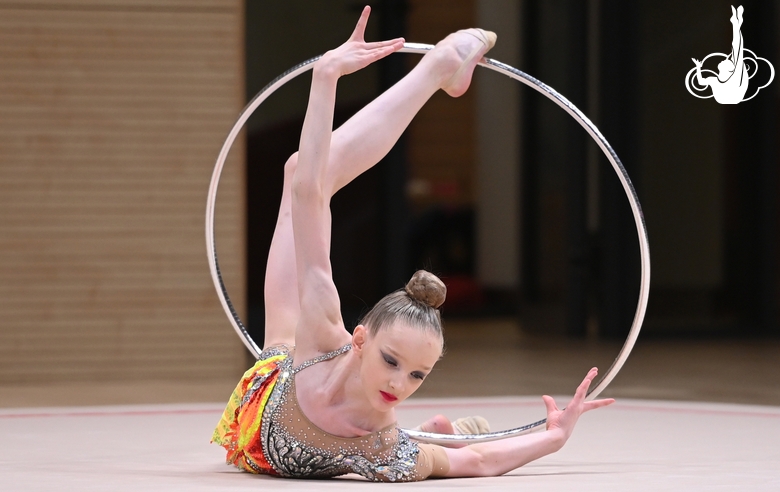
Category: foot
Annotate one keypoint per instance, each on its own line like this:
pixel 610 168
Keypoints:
pixel 736 15
pixel 438 425
pixel 471 425
pixel 467 47
pixel 467 425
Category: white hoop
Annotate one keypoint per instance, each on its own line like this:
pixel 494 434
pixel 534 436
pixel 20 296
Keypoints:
pixel 550 93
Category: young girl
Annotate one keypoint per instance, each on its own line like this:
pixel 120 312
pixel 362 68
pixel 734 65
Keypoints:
pixel 320 402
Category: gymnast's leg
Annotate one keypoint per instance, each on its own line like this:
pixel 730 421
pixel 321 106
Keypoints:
pixel 369 135
pixel 737 47
pixel 282 308
pixel 356 146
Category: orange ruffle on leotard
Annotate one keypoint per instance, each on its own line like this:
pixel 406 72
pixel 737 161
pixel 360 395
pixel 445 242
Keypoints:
pixel 238 430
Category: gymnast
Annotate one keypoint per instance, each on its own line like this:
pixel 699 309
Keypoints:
pixel 320 402
pixel 731 84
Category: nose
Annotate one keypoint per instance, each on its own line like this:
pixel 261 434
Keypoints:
pixel 396 385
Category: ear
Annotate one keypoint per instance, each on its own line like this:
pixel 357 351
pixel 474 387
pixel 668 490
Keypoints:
pixel 359 336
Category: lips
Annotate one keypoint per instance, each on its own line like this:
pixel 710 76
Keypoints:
pixel 388 397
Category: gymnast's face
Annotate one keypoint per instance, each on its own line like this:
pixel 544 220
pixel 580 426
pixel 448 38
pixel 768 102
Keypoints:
pixel 394 362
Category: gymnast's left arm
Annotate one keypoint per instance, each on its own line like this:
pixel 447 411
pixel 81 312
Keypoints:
pixel 499 457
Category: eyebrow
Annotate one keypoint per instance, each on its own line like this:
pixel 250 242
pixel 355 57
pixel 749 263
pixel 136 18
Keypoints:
pixel 395 354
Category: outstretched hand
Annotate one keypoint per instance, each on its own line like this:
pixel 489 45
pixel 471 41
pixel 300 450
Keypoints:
pixel 565 420
pixel 356 53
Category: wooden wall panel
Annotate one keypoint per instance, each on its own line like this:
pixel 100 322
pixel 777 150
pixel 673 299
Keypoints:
pixel 111 115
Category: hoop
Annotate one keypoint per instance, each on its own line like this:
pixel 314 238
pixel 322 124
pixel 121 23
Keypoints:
pixel 550 93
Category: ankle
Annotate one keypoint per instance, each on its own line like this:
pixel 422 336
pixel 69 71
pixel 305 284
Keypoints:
pixel 442 62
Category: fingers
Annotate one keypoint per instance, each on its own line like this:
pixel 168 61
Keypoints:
pixel 381 44
pixel 381 49
pixel 360 28
pixel 385 47
pixel 379 53
pixel 582 389
pixel 549 402
pixel 578 401
pixel 360 31
pixel 592 405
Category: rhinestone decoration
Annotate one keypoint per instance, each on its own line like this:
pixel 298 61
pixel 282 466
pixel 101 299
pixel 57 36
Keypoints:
pixel 296 448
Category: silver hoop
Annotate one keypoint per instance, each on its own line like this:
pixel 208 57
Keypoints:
pixel 550 93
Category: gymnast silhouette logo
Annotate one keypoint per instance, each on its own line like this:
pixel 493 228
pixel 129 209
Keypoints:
pixel 730 84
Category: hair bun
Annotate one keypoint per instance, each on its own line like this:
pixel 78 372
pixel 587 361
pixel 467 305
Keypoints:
pixel 427 288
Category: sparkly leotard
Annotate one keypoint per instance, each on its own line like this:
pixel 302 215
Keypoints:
pixel 264 431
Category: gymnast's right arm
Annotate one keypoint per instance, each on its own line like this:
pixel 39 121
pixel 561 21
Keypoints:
pixel 320 327
pixel 499 457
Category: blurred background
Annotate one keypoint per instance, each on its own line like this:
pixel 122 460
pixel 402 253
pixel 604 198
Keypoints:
pixel 113 112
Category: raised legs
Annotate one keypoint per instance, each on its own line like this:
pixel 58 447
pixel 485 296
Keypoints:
pixel 356 146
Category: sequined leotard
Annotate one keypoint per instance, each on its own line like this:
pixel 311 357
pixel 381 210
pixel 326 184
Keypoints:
pixel 264 431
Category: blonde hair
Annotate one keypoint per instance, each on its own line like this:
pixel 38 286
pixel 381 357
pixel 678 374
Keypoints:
pixel 416 305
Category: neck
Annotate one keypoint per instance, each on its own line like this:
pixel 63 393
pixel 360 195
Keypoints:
pixel 349 395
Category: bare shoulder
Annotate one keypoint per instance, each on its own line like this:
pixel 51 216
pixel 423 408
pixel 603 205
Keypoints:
pixel 308 351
